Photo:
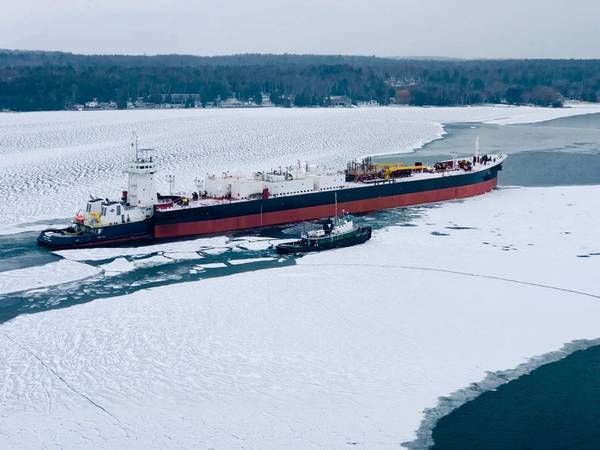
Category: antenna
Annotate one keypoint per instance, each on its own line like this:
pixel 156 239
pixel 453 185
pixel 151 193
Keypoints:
pixel 171 181
pixel 198 183
pixel 454 158
pixel 134 143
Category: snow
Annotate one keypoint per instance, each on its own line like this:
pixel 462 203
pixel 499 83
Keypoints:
pixel 183 255
pixel 43 276
pixel 211 266
pixel 171 248
pixel 531 115
pixel 179 250
pixel 151 261
pixel 22 228
pixel 117 267
pixel 52 161
pixel 238 262
pixel 255 244
pixel 216 251
pixel 348 346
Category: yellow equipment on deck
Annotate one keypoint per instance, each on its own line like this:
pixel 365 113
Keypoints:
pixel 390 169
pixel 97 217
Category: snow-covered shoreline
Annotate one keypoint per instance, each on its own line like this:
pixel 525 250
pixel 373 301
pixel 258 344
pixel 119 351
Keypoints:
pixel 50 162
pixel 348 346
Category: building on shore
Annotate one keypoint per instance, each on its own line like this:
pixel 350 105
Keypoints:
pixel 338 101
pixel 368 103
pixel 266 100
pixel 92 105
pixel 140 103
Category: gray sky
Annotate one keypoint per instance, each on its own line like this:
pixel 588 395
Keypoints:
pixel 460 28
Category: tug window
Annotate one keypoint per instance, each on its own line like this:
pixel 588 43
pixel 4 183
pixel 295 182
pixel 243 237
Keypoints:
pixel 104 210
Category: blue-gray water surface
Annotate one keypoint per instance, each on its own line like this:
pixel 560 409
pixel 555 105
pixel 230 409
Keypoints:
pixel 556 406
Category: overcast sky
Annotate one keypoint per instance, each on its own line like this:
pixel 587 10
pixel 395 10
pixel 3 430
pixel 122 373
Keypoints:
pixel 458 28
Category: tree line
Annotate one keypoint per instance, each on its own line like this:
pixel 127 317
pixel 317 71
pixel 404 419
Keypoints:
pixel 31 81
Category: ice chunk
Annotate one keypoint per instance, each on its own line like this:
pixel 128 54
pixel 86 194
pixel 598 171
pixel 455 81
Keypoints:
pixel 237 262
pixel 185 247
pixel 117 266
pixel 50 274
pixel 211 266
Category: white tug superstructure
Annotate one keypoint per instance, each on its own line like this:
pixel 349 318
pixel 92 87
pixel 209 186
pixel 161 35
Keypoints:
pixel 136 203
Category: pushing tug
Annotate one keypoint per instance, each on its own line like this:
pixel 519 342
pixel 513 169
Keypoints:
pixel 298 193
pixel 337 233
pixel 104 221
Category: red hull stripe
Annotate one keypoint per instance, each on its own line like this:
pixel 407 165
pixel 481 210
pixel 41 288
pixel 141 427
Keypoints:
pixel 162 231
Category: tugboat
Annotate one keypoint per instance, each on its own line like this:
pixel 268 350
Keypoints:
pixel 337 233
pixel 110 222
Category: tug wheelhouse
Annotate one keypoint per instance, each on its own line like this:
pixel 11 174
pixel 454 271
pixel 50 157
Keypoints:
pixel 106 221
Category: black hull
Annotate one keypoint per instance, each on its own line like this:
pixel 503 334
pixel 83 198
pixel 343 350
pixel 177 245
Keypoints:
pixel 360 236
pixel 127 233
pixel 258 213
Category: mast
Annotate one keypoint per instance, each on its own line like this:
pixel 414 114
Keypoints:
pixel 141 170
pixel 171 181
pixel 134 144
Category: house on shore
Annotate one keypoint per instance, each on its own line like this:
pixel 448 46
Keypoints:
pixel 338 101
pixel 368 103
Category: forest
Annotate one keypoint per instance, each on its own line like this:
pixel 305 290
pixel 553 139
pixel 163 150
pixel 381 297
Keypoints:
pixel 36 80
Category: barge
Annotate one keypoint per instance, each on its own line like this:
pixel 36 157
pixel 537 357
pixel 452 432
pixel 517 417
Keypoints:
pixel 225 202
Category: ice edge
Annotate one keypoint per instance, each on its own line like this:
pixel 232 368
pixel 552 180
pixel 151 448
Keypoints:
pixel 493 380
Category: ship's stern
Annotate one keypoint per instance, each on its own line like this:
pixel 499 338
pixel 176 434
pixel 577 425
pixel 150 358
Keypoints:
pixel 64 238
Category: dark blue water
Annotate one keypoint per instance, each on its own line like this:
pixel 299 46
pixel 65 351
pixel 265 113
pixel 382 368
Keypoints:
pixel 555 407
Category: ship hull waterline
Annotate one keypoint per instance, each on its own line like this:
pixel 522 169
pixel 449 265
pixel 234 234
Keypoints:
pixel 166 230
pixel 223 217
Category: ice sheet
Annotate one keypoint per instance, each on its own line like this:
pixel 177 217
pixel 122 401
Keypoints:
pixel 52 161
pixel 237 262
pixel 182 255
pixel 211 266
pixel 118 266
pixel 46 275
pixel 98 254
pixel 348 347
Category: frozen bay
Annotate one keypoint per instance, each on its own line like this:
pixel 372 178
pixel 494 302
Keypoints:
pixel 50 162
pixel 349 346
pixel 341 348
